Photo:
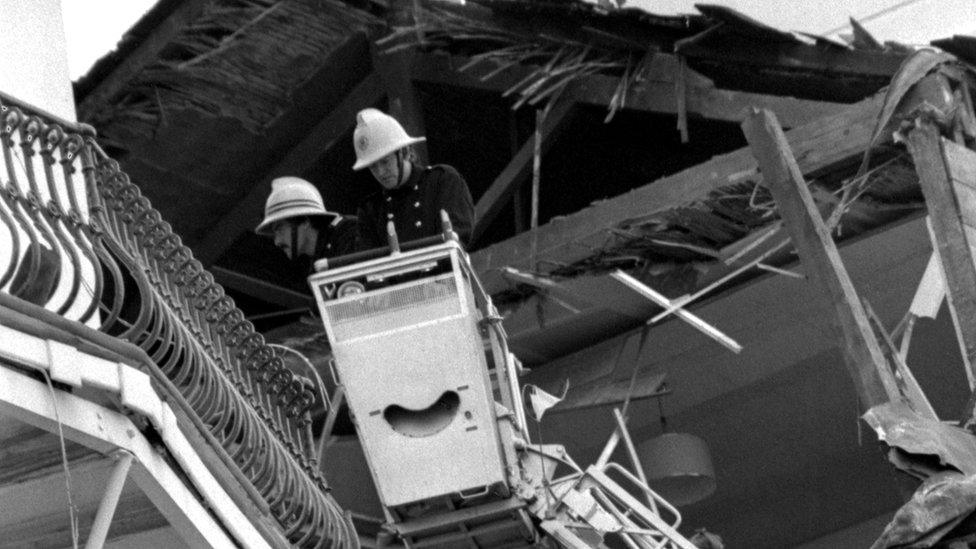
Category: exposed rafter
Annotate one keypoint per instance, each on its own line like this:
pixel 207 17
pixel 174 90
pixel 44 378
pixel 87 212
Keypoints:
pixel 316 144
pixel 657 93
pixel 818 146
pixel 394 71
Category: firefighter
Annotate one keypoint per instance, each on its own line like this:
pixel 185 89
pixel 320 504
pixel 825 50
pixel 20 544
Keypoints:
pixel 412 195
pixel 296 218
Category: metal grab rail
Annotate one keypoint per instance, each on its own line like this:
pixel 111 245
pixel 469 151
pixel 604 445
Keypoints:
pixel 121 256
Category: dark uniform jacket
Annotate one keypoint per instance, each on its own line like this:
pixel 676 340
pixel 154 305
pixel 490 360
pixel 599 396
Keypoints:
pixel 337 236
pixel 414 207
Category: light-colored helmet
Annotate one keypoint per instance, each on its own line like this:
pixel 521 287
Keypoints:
pixel 378 134
pixel 291 197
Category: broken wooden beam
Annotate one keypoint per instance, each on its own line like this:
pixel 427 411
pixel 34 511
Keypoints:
pixel 783 177
pixel 656 93
pixel 818 147
pixel 947 175
pixel 394 68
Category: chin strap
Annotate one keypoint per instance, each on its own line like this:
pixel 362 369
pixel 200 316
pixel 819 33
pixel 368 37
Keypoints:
pixel 401 159
pixel 294 241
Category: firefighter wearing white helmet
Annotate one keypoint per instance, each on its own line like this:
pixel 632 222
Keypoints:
pixel 296 218
pixel 412 195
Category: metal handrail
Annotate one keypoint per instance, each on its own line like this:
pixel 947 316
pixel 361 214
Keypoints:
pixel 118 256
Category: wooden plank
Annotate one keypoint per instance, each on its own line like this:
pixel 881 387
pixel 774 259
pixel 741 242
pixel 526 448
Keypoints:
pixel 146 53
pixel 395 69
pixel 926 146
pixel 970 233
pixel 865 360
pixel 502 188
pixel 961 163
pixel 656 94
pixel 966 200
pixel 319 141
pixel 798 57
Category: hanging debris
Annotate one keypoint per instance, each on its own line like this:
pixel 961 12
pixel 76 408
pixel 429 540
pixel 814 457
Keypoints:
pixel 227 62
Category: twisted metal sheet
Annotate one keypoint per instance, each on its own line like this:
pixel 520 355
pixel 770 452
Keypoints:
pixel 94 244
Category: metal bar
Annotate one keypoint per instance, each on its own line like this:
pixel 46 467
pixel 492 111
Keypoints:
pixel 338 398
pixel 611 445
pixel 679 303
pixel 106 508
pixel 663 301
pixel 632 453
pixel 643 512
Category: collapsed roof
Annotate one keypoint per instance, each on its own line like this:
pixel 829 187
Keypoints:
pixel 643 170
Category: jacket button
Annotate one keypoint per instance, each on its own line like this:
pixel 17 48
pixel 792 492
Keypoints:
pixel 415 187
pixel 418 224
pixel 389 216
pixel 389 198
pixel 416 204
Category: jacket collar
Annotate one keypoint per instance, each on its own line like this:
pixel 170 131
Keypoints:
pixel 411 184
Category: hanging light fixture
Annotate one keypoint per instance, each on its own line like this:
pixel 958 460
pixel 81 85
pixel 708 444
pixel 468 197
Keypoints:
pixel 678 465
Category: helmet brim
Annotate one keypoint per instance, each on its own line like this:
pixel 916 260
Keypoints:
pixel 264 228
pixel 376 155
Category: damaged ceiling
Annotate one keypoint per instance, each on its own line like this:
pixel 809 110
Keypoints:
pixel 644 170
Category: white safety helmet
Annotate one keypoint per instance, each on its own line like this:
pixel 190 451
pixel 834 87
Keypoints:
pixel 291 197
pixel 378 134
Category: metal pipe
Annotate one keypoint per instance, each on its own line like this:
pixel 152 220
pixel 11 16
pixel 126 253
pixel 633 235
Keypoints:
pixel 632 452
pixel 106 508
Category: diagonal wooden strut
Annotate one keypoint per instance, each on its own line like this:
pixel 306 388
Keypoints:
pixel 947 175
pixel 865 360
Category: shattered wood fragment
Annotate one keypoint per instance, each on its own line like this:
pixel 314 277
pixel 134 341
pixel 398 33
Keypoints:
pixel 862 38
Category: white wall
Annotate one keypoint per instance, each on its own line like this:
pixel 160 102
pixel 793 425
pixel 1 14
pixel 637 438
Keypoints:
pixel 33 55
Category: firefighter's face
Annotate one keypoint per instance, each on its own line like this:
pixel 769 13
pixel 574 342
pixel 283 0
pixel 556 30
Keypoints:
pixel 282 231
pixel 294 237
pixel 386 170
